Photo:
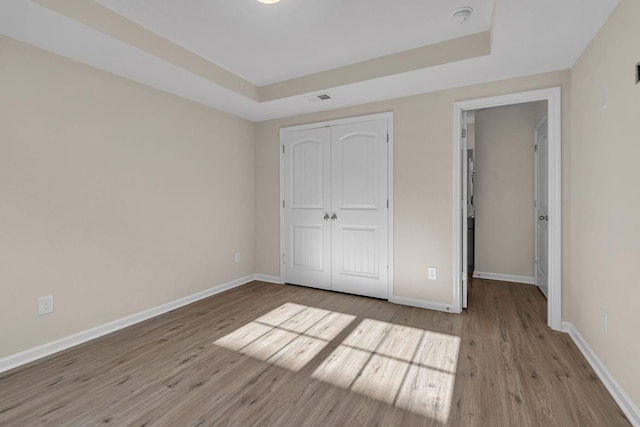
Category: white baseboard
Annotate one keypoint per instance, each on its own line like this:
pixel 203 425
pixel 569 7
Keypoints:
pixel 24 357
pixel 504 277
pixel 430 305
pixel 622 399
pixel 268 279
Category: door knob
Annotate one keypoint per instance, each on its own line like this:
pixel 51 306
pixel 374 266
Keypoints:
pixel 543 218
pixel 326 217
pixel 334 217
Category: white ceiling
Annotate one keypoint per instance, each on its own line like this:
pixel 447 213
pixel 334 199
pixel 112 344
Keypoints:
pixel 266 44
pixel 270 43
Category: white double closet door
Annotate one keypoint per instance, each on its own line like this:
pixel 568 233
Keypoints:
pixel 336 208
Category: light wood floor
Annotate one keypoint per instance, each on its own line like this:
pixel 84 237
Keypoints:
pixel 278 355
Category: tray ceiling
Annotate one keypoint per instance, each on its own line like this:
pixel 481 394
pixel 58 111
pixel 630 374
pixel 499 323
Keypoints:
pixel 266 61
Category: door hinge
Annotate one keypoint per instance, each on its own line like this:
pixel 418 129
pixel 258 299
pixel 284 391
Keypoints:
pixel 387 138
pixel 283 203
pixel 284 259
pixel 283 149
pixel 535 148
pixel 464 133
pixel 387 203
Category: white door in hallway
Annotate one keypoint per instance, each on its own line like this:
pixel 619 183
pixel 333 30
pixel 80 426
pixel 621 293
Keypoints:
pixel 336 208
pixel 541 205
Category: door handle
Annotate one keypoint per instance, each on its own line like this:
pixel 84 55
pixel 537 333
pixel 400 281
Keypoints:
pixel 334 217
pixel 326 217
pixel 543 217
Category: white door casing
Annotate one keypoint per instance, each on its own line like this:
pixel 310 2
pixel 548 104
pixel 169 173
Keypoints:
pixel 554 174
pixel 541 183
pixel 335 205
pixel 464 145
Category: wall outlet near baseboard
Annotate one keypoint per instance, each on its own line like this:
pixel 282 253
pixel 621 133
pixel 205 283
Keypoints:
pixel 604 320
pixel 432 273
pixel 45 305
pixel 237 257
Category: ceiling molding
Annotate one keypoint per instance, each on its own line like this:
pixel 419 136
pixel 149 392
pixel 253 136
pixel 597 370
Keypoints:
pixel 106 21
pixel 449 51
pixel 111 23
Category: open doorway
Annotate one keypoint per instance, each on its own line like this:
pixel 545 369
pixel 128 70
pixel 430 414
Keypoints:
pixel 502 226
pixel 551 182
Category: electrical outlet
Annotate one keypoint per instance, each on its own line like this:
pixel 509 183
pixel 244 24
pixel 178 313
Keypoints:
pixel 604 321
pixel 45 305
pixel 433 273
pixel 237 257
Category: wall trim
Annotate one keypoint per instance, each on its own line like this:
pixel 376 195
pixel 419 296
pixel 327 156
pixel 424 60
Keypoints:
pixel 504 277
pixel 617 392
pixel 33 354
pixel 414 302
pixel 268 279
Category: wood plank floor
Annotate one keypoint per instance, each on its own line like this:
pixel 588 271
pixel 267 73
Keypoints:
pixel 273 355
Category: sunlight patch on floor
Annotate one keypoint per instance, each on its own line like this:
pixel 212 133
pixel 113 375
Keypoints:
pixel 289 336
pixel 409 368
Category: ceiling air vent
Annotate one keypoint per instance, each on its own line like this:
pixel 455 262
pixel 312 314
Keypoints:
pixel 316 98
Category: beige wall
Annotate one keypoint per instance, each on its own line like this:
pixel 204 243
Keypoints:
pixel 605 231
pixel 504 190
pixel 114 197
pixel 423 135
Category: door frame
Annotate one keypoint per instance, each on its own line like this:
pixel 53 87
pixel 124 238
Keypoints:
pixel 554 111
pixel 535 194
pixel 389 117
pixel 464 219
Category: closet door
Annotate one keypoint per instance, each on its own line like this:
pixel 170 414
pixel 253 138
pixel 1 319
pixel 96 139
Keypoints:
pixel 307 225
pixel 359 197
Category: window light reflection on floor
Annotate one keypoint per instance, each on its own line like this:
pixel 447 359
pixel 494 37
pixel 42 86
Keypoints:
pixel 409 368
pixel 289 336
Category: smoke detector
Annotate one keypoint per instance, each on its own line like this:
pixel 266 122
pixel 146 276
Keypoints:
pixel 461 15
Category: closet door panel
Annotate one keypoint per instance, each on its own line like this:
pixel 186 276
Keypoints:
pixel 359 203
pixel 307 200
